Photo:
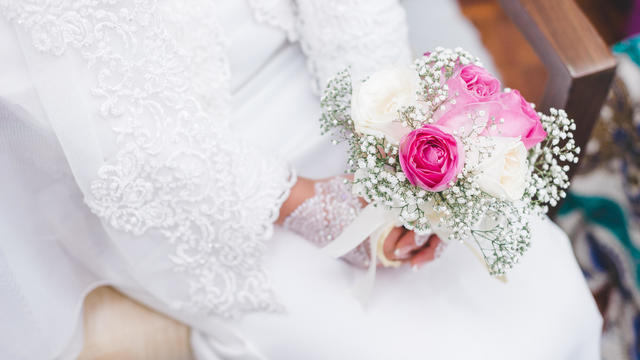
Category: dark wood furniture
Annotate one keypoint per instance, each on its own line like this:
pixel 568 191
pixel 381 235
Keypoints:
pixel 579 63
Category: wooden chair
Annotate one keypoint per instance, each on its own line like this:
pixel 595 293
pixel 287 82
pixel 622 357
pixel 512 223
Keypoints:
pixel 580 68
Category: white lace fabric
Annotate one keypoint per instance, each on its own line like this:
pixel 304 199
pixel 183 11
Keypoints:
pixel 180 175
pixel 366 35
pixel 334 34
pixel 278 13
pixel 175 172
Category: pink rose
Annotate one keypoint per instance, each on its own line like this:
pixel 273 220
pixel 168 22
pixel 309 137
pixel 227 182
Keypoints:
pixel 430 157
pixel 472 84
pixel 519 119
pixel 464 119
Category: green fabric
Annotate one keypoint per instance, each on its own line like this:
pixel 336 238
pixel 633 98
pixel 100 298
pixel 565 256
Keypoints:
pixel 631 47
pixel 605 213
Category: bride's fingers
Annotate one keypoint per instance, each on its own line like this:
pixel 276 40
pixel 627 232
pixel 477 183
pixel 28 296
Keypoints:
pixel 391 241
pixel 405 245
pixel 426 254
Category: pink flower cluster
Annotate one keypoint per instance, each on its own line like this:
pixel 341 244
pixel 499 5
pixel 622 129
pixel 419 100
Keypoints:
pixel 431 157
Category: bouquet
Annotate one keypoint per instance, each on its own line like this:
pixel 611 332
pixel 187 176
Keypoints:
pixel 439 147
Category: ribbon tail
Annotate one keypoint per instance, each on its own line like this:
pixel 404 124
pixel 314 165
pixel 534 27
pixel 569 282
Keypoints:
pixel 374 222
pixel 353 235
pixel 363 288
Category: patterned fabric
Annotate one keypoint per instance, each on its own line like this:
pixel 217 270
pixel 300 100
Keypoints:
pixel 604 233
pixel 616 138
pixel 610 261
pixel 629 47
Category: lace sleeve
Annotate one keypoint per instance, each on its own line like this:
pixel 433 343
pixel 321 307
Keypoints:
pixel 177 188
pixel 363 34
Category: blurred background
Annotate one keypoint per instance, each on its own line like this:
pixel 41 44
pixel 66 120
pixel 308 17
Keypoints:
pixel 602 213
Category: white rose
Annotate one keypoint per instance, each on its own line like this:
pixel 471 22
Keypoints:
pixel 504 174
pixel 375 102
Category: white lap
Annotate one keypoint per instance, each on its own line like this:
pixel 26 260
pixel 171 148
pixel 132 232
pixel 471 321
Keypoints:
pixel 450 309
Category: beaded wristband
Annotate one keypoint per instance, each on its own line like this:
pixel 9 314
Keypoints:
pixel 321 218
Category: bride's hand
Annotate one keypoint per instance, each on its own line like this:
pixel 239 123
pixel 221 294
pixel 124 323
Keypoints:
pixel 405 246
pixel 318 210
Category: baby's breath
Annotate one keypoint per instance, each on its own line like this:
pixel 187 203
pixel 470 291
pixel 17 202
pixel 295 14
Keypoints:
pixel 336 107
pixel 550 161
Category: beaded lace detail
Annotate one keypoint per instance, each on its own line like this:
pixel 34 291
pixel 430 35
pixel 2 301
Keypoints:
pixel 321 218
pixel 179 174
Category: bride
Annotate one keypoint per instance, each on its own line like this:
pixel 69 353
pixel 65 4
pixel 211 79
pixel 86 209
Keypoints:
pixel 152 145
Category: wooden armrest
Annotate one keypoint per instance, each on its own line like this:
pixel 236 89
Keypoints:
pixel 580 65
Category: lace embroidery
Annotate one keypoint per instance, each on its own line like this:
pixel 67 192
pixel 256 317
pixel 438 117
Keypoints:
pixel 180 173
pixel 364 34
pixel 337 33
pixel 277 13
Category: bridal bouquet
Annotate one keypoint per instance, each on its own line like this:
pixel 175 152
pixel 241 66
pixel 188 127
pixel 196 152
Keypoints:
pixel 439 147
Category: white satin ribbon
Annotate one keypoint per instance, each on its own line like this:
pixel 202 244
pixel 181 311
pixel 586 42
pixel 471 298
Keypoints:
pixel 375 223
pixel 368 221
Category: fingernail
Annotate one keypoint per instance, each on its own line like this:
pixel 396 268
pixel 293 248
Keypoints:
pixel 396 252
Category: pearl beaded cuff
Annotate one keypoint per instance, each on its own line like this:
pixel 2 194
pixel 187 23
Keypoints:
pixel 321 218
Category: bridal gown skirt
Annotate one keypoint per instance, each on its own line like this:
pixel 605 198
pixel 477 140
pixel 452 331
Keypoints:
pixel 450 309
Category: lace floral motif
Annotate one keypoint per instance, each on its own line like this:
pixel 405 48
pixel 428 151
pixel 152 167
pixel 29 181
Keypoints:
pixel 179 174
pixel 277 13
pixel 364 34
pixel 334 34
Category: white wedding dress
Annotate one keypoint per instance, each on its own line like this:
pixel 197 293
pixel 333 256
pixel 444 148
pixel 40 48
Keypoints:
pixel 149 144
